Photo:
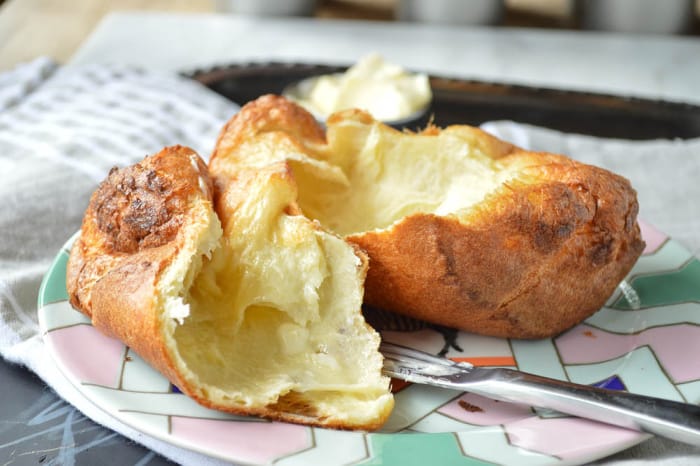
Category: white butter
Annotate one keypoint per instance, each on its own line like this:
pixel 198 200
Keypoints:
pixel 385 90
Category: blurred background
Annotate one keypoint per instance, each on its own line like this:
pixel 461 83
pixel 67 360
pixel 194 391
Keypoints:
pixel 31 28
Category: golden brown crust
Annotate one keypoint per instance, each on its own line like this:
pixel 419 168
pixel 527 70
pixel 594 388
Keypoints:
pixel 130 234
pixel 136 209
pixel 531 261
pixel 271 114
pixel 535 258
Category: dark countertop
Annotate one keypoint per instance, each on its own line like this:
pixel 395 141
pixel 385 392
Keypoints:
pixel 39 428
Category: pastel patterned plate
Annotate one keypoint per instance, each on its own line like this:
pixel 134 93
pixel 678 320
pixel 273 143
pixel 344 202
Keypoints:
pixel 649 349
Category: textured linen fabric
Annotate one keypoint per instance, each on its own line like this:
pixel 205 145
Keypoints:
pixel 62 129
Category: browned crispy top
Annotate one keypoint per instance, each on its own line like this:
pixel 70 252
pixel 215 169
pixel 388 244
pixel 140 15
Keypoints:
pixel 267 114
pixel 276 114
pixel 143 206
pixel 135 210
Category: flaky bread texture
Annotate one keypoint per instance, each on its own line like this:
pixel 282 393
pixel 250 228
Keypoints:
pixel 462 229
pixel 242 303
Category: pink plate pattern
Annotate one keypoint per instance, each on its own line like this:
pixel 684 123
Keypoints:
pixel 646 347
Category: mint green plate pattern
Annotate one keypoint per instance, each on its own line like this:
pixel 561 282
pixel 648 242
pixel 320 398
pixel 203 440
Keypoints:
pixel 646 344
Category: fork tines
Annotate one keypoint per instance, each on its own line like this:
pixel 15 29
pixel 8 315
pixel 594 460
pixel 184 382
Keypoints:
pixel 416 366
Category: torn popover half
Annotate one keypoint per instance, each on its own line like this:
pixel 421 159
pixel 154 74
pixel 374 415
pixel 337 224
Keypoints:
pixel 247 306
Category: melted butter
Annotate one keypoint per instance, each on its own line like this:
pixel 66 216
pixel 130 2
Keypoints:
pixel 385 90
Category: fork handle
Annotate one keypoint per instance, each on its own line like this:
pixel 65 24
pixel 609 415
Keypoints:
pixel 670 419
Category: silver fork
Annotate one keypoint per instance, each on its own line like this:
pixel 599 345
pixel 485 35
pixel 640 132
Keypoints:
pixel 670 419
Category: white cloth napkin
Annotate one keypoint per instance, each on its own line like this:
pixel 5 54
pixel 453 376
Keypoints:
pixel 61 130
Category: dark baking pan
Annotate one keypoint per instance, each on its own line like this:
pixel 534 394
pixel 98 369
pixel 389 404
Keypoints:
pixel 474 102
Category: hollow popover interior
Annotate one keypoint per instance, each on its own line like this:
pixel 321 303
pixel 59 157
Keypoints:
pixel 392 175
pixel 274 315
pixel 360 175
